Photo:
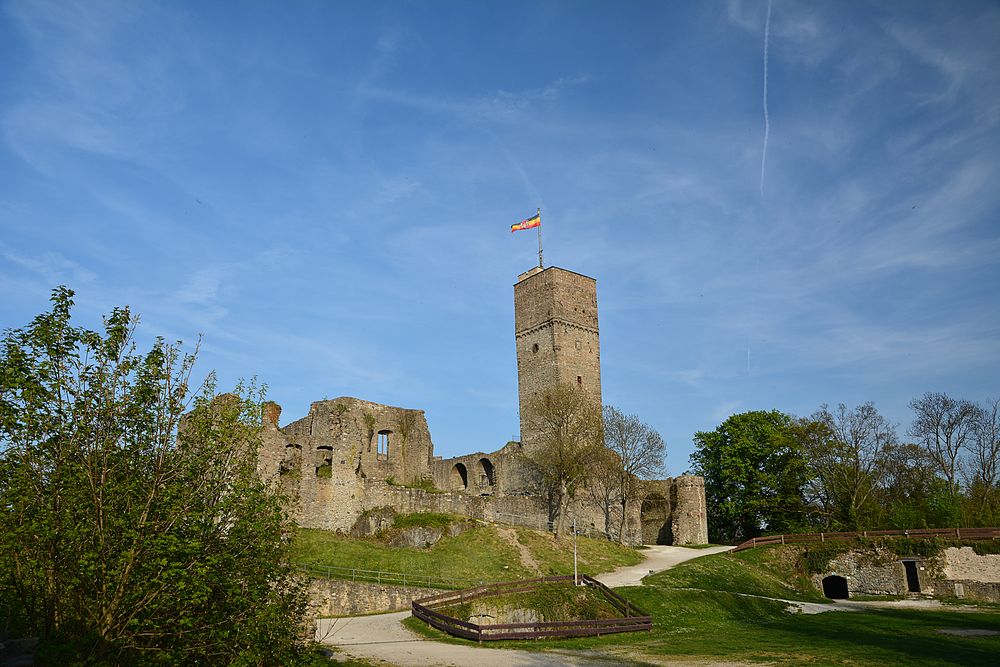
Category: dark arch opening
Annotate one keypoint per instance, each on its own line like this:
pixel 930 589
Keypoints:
pixel 655 517
pixel 835 587
pixel 324 466
pixel 486 474
pixel 459 477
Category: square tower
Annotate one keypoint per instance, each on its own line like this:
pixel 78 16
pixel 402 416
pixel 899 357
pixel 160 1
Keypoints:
pixel 556 334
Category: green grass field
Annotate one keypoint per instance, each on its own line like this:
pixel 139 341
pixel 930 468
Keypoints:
pixel 695 625
pixel 477 555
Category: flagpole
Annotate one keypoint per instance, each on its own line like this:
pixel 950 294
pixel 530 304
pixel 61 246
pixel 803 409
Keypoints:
pixel 540 239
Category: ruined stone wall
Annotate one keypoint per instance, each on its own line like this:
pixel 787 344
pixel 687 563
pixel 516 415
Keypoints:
pixel 323 460
pixel 556 335
pixel 329 464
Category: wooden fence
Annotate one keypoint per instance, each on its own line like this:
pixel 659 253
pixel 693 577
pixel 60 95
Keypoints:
pixel 633 619
pixel 803 538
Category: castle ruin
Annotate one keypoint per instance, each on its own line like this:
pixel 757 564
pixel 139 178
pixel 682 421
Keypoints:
pixel 347 455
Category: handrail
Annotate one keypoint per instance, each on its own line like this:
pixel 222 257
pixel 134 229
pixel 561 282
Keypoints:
pixel 405 579
pixel 805 538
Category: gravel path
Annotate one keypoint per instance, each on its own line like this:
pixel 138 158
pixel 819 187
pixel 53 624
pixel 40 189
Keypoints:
pixel 658 558
pixel 382 637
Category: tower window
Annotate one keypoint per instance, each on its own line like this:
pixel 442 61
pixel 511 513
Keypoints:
pixel 579 380
pixel 534 348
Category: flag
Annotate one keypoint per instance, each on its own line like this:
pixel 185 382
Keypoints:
pixel 533 221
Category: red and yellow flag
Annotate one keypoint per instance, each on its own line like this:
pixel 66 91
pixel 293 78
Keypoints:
pixel 533 221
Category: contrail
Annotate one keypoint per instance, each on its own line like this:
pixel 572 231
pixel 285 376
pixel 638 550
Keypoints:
pixel 767 120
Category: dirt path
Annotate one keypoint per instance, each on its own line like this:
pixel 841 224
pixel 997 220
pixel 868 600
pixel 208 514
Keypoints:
pixel 509 535
pixel 382 637
pixel 658 558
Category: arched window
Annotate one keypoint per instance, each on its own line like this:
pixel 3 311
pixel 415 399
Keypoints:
pixel 383 444
pixel 459 477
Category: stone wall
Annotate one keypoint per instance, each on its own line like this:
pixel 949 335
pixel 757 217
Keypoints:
pixel 956 572
pixel 336 597
pixel 689 516
pixel 868 573
pixel 964 564
pixel 556 335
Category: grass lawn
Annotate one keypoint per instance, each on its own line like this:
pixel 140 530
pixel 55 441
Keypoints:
pixel 720 626
pixel 594 556
pixel 477 555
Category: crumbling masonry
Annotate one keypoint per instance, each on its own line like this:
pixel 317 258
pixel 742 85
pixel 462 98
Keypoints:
pixel 347 455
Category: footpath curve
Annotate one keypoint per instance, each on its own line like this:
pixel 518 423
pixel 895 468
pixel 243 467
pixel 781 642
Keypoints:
pixel 382 637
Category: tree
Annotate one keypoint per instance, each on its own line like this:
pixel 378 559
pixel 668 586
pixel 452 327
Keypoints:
pixel 913 495
pixel 945 427
pixel 754 474
pixel 130 534
pixel 983 474
pixel 602 486
pixel 847 451
pixel 638 452
pixel 565 437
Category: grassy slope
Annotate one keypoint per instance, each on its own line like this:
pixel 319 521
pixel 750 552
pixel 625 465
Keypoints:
pixel 480 554
pixel 721 626
pixel 593 556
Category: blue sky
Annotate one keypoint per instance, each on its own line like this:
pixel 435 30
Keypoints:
pixel 324 190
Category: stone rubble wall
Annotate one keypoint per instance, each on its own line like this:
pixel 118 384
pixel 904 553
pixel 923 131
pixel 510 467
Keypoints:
pixel 957 572
pixel 964 564
pixel 338 597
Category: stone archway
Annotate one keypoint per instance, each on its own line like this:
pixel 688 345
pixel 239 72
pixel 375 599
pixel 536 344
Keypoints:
pixel 655 517
pixel 459 477
pixel 487 475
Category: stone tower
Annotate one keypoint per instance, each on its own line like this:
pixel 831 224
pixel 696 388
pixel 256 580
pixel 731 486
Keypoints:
pixel 555 329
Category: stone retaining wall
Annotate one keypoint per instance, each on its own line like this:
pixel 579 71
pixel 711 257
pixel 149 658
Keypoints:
pixel 337 597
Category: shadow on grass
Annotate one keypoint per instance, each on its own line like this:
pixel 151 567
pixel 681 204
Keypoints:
pixel 899 636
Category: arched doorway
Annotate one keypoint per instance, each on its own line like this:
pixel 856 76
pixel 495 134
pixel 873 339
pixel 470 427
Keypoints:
pixel 486 474
pixel 655 517
pixel 835 587
pixel 459 477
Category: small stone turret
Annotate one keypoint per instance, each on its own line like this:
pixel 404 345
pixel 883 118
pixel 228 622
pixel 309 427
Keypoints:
pixel 689 516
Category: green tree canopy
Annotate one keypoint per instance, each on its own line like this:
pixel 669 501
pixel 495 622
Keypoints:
pixel 754 474
pixel 120 542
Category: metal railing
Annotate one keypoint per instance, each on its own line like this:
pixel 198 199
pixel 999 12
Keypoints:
pixel 805 538
pixel 385 578
pixel 539 523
